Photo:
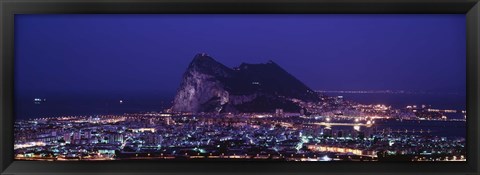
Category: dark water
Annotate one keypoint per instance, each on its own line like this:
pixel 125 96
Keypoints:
pixel 25 108
pixel 434 128
pixel 439 101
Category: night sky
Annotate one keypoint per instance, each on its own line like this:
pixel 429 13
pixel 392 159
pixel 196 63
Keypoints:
pixel 147 54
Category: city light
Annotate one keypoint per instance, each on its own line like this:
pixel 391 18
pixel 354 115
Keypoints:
pixel 360 133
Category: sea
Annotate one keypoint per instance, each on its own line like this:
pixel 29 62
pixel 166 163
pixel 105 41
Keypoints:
pixel 451 129
pixel 56 106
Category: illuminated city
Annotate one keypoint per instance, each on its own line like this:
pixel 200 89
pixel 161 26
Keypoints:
pixel 339 130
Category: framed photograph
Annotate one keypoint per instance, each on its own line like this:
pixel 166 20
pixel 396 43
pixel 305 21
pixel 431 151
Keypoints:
pixel 239 87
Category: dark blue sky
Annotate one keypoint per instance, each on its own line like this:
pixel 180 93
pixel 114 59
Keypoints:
pixel 147 54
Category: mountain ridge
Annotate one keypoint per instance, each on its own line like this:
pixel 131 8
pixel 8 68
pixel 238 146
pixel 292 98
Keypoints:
pixel 209 86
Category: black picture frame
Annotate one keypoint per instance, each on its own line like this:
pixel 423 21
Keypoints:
pixel 9 8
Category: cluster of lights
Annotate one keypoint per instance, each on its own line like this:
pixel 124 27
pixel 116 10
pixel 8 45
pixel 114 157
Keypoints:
pixel 29 144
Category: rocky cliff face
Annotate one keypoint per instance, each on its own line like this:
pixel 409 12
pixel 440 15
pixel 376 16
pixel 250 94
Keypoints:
pixel 209 86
